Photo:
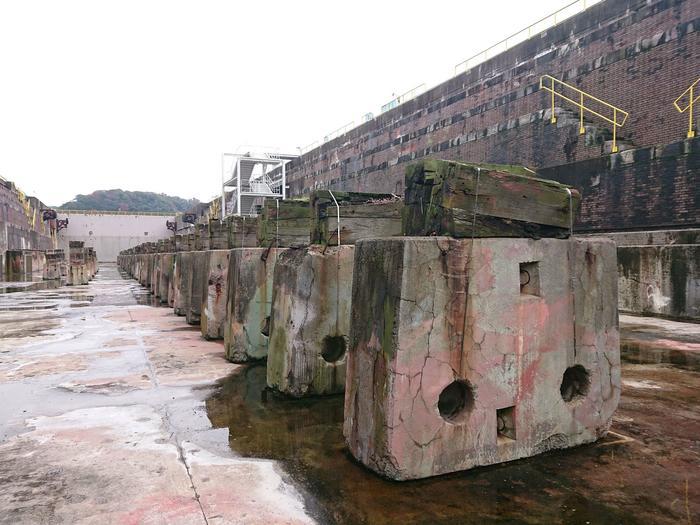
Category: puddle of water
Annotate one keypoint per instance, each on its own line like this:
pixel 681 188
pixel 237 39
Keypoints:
pixel 306 437
pixel 26 286
pixel 146 298
pixel 639 353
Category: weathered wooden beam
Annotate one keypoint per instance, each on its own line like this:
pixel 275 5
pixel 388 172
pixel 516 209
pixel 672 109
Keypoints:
pixel 362 216
pixel 284 223
pixel 242 232
pixel 485 200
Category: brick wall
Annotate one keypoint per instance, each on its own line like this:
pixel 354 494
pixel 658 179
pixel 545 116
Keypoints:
pixel 636 54
pixel 642 189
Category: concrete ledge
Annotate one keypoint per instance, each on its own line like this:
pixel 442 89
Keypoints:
pixel 660 280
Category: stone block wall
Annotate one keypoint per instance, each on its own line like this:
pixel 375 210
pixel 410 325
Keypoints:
pixel 21 224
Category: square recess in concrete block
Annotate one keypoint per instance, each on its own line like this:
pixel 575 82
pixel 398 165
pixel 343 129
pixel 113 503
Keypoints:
pixel 451 367
pixel 247 327
pixel 530 278
pixel 310 320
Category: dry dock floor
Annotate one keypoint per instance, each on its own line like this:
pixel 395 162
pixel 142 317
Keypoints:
pixel 113 410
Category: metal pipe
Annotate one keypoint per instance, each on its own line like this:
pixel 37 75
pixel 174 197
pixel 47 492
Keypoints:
pixel 223 186
pixel 338 208
pixel 571 211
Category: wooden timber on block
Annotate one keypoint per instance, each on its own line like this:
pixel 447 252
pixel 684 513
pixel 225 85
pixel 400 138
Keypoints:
pixel 284 223
pixel 218 234
pixel 201 237
pixel 242 232
pixel 362 216
pixel 441 195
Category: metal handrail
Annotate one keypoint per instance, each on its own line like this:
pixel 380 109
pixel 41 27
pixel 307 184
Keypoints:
pixel 520 36
pixel 404 97
pixel 691 101
pixel 581 104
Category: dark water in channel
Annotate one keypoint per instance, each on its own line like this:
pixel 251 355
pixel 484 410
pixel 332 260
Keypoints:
pixel 306 437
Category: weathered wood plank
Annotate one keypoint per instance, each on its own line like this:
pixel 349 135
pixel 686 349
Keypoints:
pixel 284 223
pixel 441 197
pixel 362 216
pixel 242 232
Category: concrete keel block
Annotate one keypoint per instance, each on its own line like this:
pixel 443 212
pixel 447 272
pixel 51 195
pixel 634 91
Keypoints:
pixel 466 353
pixel 250 285
pixel 182 282
pixel 310 321
pixel 198 285
pixel 166 274
pixel 213 316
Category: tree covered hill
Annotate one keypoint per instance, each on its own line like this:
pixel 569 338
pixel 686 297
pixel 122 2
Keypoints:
pixel 120 200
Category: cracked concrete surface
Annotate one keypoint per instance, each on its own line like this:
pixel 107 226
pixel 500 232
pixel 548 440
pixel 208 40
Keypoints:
pixel 455 364
pixel 310 320
pixel 103 417
pixel 249 306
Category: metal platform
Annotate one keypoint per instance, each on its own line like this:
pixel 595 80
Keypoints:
pixel 248 179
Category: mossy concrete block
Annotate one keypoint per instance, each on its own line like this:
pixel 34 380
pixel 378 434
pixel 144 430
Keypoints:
pixel 155 273
pixel 183 282
pixel 310 321
pixel 213 315
pixel 467 353
pixel 250 285
pixel 198 286
pixel 166 275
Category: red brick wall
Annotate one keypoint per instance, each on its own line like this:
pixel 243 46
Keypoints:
pixel 643 189
pixel 637 55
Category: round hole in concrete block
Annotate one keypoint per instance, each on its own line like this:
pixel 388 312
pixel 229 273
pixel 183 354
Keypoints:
pixel 456 401
pixel 333 348
pixel 575 383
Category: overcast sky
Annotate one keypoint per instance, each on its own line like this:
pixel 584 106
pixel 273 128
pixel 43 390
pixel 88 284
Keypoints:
pixel 146 95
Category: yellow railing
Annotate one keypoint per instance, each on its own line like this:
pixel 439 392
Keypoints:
pixel 618 118
pixel 690 92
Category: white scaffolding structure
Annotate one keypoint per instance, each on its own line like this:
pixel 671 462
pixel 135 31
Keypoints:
pixel 248 179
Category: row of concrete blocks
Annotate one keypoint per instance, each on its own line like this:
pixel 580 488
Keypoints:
pixel 35 265
pixel 451 353
pixel 82 263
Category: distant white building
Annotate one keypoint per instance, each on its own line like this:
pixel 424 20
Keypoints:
pixel 110 232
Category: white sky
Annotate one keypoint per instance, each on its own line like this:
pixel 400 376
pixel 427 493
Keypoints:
pixel 146 95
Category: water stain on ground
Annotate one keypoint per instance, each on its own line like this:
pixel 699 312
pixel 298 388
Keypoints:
pixel 597 484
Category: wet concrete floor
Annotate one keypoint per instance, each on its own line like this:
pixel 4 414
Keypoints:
pixel 102 418
pixel 116 411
